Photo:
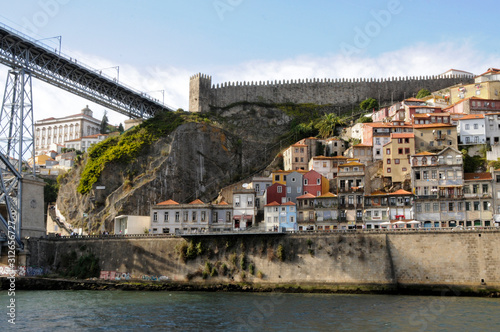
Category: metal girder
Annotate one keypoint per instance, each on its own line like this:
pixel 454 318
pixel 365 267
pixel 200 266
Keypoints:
pixel 19 51
pixel 16 147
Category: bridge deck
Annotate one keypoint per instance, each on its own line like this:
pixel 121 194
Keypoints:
pixel 20 51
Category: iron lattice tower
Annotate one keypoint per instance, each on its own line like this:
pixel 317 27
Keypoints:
pixel 16 147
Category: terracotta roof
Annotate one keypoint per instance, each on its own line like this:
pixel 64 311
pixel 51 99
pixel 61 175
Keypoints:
pixel 477 176
pixel 386 125
pixel 363 145
pixel 490 71
pixel 223 203
pixel 402 135
pixel 462 100
pixel 169 202
pixel 425 153
pixel 288 204
pixel 414 99
pixel 377 193
pixel 423 106
pixel 327 195
pixel 401 192
pixel 432 125
pixel 322 158
pixel 197 201
pixel 273 204
pixel 307 196
pixel 472 117
pixel 299 145
pixel 428 115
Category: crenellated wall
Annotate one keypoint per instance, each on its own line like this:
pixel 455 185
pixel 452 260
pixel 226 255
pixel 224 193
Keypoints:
pixel 343 92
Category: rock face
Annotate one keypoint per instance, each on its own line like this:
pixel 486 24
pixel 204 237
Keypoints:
pixel 194 161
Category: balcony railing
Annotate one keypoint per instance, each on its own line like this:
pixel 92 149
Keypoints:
pixel 351 189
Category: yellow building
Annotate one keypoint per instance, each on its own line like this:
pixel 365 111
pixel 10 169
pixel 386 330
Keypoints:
pixel 396 156
pixel 487 86
pixel 435 137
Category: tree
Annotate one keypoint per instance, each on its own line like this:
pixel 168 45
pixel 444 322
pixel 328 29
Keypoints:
pixel 327 124
pixel 368 104
pixel 120 128
pixel 365 119
pixel 104 124
pixel 423 93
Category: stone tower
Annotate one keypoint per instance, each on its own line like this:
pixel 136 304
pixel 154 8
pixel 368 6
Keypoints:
pixel 200 94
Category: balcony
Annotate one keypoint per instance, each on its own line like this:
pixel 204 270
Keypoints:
pixel 426 196
pixel 359 189
pixel 439 136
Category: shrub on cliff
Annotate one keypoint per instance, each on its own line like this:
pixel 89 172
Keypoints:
pixel 126 147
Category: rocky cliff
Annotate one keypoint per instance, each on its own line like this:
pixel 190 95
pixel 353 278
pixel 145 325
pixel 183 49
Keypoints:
pixel 193 161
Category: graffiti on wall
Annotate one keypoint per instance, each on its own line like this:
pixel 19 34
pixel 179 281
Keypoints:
pixel 115 275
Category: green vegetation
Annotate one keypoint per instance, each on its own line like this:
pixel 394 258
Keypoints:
pixel 87 266
pixel 103 129
pixel 369 104
pixel 124 148
pixel 473 164
pixel 327 125
pixel 243 261
pixel 365 119
pixel 423 93
pixel 251 268
pixel 189 251
pixel 280 253
pixel 50 191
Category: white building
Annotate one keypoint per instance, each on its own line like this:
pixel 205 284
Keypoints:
pixel 456 72
pixel 132 225
pixel 492 123
pixel 60 130
pixel 471 129
pixel 85 142
pixel 244 208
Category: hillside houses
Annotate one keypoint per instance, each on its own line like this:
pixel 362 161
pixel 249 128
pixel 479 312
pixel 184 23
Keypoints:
pixel 403 170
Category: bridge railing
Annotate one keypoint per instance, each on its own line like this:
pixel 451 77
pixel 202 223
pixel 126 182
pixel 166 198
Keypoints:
pixel 82 64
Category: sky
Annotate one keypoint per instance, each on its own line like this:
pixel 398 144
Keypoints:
pixel 159 44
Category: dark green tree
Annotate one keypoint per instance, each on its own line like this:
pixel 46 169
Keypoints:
pixel 423 93
pixel 369 104
pixel 120 128
pixel 104 123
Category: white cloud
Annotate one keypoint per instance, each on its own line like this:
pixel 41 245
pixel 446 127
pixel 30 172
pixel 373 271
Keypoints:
pixel 420 59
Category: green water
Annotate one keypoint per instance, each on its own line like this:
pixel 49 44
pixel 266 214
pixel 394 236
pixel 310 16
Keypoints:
pixel 197 311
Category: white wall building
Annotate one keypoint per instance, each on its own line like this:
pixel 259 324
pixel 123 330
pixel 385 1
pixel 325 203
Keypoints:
pixel 132 225
pixel 244 209
pixel 471 129
pixel 60 130
pixel 85 142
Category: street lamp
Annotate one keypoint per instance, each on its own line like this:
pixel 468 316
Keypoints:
pixel 57 37
pixel 162 92
pixel 115 67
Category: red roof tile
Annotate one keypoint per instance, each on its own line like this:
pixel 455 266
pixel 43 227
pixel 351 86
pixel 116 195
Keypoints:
pixel 169 202
pixel 477 176
pixel 197 201
pixel 273 204
pixel 307 196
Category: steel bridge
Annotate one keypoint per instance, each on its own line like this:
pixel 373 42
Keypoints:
pixel 47 64
pixel 29 58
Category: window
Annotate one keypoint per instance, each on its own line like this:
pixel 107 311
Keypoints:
pixel 215 217
pixel 318 181
pixel 460 206
pixel 203 215
pixel 299 190
pixel 388 169
pixel 418 207
pixel 433 174
pixel 387 151
pixel 476 206
pixel 425 174
pixel 400 151
pixel 485 188
pixel 279 189
pixel 417 175
pixel 476 126
pixel 435 207
pixel 407 150
pixel 396 161
pixel 155 216
pixel 388 161
pixel 467 126
pixel 306 182
pixel 475 188
pixel 485 206
pixel 165 217
pixel 427 207
pixel 237 201
pixel 276 178
pixel 443 206
pixel 177 216
pixel 467 206
pixel 377 141
pixel 186 216
pixel 250 201
pixel 451 206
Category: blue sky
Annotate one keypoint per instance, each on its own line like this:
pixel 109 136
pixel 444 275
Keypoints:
pixel 159 44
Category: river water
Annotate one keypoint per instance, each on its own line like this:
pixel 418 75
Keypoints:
pixel 199 311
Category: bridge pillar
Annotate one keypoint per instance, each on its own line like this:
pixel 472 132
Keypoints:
pixel 16 148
